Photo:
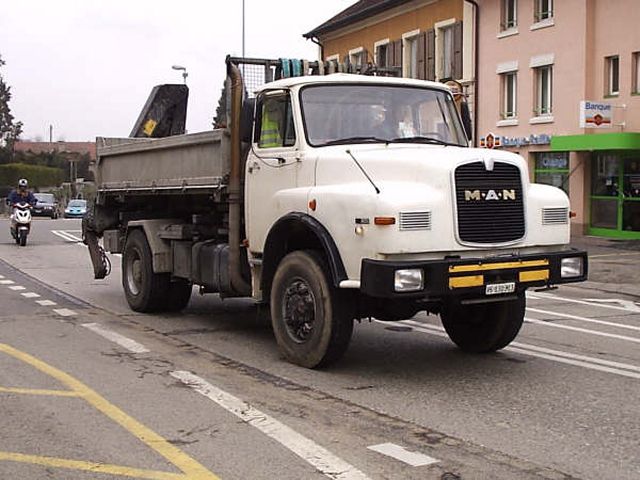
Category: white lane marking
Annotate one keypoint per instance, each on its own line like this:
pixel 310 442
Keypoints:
pixel 30 295
pixel 71 235
pixel 1 277
pixel 65 236
pixel 584 319
pixel 322 459
pixel 628 304
pixel 121 340
pixel 7 282
pixel 535 321
pixel 46 303
pixel 548 296
pixel 17 288
pixel 400 453
pixel 617 368
pixel 64 312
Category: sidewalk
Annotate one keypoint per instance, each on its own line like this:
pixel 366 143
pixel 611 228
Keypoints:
pixel 614 265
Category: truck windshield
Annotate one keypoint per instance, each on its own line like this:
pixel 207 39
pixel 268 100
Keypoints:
pixel 343 114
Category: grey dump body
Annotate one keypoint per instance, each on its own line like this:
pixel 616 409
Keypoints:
pixel 177 164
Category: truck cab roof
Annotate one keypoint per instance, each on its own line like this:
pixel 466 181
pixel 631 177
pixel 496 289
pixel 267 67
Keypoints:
pixel 349 78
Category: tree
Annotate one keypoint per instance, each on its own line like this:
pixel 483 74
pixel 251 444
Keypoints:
pixel 10 130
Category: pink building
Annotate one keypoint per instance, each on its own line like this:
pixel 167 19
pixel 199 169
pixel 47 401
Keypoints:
pixel 559 83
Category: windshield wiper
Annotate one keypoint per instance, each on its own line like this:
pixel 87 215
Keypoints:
pixel 346 141
pixel 421 139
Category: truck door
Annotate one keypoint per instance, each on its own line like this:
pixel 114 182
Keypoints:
pixel 272 167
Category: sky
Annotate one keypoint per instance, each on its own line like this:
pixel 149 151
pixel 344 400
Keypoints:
pixel 87 66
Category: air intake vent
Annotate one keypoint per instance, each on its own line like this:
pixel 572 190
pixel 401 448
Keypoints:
pixel 415 220
pixel 555 216
pixel 490 203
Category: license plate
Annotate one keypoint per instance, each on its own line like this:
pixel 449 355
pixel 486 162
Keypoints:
pixel 498 288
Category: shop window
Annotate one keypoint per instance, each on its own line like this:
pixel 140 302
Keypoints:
pixel 509 14
pixel 613 75
pixel 509 85
pixel 635 81
pixel 544 90
pixel 543 10
pixel 553 169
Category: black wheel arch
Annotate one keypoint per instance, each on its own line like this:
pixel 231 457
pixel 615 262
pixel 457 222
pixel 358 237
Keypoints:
pixel 299 231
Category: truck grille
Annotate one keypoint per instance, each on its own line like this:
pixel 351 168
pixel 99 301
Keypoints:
pixel 490 203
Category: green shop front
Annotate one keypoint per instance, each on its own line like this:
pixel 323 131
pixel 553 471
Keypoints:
pixel 614 184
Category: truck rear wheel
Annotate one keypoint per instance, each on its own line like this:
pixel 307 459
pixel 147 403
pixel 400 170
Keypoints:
pixel 145 290
pixel 311 319
pixel 483 327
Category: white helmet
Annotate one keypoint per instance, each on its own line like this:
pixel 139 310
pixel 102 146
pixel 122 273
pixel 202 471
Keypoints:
pixel 22 183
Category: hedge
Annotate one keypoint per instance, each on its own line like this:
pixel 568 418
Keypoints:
pixel 38 176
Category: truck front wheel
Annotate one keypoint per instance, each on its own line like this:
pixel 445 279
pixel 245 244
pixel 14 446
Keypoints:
pixel 483 327
pixel 311 319
pixel 145 290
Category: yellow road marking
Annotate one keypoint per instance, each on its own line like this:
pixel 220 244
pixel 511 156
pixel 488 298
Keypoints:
pixel 495 266
pixel 91 467
pixel 38 391
pixel 190 467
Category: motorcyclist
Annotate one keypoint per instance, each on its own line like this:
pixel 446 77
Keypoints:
pixel 22 194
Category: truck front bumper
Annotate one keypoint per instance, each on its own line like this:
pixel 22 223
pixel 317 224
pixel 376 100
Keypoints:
pixel 471 278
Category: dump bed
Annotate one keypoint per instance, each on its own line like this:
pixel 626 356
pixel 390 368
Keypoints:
pixel 190 163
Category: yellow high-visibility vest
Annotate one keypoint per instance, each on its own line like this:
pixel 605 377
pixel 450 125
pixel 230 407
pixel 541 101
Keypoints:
pixel 269 132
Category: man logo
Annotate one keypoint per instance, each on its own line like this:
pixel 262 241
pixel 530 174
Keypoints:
pixel 476 195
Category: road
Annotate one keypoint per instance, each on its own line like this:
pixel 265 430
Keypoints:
pixel 90 389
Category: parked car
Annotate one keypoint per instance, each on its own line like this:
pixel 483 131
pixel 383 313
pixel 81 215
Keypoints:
pixel 76 209
pixel 46 205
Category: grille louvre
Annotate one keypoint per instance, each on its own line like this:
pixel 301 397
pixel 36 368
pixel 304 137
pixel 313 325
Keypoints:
pixel 415 220
pixel 490 203
pixel 555 216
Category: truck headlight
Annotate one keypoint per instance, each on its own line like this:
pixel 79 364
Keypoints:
pixel 409 280
pixel 571 267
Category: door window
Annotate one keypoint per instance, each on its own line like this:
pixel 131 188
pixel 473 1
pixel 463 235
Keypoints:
pixel 275 127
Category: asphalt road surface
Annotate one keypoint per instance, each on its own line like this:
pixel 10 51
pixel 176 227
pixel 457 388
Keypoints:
pixel 90 389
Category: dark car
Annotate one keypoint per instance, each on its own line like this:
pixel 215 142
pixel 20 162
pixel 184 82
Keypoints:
pixel 76 209
pixel 46 205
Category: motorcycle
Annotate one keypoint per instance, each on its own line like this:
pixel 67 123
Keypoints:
pixel 21 222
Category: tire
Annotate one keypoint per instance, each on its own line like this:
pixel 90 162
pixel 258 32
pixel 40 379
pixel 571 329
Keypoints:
pixel 178 296
pixel 145 290
pixel 311 319
pixel 485 327
pixel 22 239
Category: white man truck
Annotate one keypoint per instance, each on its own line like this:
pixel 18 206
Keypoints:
pixel 333 198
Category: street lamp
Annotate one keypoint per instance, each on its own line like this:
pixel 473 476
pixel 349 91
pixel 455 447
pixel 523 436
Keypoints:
pixel 184 72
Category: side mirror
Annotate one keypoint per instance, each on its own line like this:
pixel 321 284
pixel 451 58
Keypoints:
pixel 246 120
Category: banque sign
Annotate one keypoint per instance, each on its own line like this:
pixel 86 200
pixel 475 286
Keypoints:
pixel 595 114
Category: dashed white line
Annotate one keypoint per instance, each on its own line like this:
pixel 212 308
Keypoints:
pixel 66 236
pixel 581 330
pixel 121 340
pixel 584 319
pixel 64 312
pixel 400 453
pixel 7 282
pixel 30 295
pixel 1 277
pixel 323 460
pixel 617 368
pixel 548 296
pixel 46 303
pixel 17 288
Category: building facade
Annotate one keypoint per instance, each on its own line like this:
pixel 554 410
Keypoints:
pixel 424 39
pixel 559 83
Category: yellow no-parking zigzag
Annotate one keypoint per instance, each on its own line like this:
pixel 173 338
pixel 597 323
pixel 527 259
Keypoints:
pixel 191 469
